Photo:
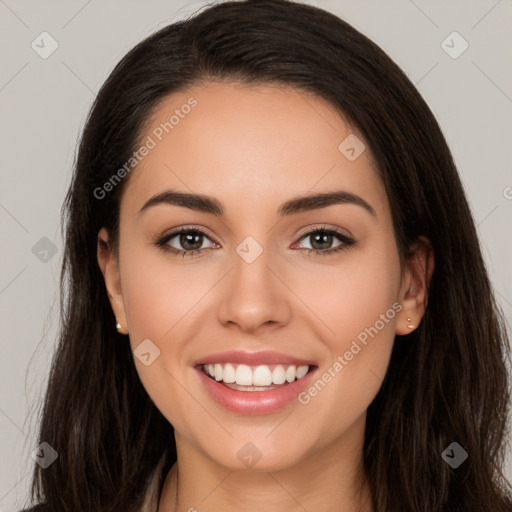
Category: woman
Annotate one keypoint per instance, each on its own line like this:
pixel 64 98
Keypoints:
pixel 362 371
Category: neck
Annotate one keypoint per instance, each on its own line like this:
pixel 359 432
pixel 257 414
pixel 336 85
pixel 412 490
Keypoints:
pixel 330 480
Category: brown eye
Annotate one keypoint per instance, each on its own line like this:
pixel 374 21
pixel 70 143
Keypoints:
pixel 184 241
pixel 321 241
pixel 191 240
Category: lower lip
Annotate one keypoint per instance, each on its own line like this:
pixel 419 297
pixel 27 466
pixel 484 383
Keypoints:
pixel 254 402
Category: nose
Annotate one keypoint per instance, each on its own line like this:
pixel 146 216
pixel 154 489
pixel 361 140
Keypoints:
pixel 254 296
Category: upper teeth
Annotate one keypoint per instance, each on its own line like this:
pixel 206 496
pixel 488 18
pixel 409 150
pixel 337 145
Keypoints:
pixel 261 375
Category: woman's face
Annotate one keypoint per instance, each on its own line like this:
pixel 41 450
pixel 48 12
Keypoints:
pixel 254 301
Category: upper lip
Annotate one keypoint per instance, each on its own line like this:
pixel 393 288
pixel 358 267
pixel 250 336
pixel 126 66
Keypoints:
pixel 253 358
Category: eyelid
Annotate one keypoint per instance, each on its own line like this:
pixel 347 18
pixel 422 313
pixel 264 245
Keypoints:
pixel 193 227
pixel 323 227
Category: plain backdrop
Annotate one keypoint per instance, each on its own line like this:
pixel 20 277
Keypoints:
pixel 44 103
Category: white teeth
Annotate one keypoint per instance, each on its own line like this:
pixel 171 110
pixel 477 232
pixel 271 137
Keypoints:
pixel 278 375
pixel 301 371
pixel 243 375
pixel 218 372
pixel 291 372
pixel 228 374
pixel 260 376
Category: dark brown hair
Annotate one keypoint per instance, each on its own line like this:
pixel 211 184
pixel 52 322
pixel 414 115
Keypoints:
pixel 446 382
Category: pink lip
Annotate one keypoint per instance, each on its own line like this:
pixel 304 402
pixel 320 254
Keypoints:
pixel 253 359
pixel 254 402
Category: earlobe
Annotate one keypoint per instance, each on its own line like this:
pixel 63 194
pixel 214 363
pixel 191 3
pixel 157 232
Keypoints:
pixel 120 328
pixel 414 293
pixel 109 266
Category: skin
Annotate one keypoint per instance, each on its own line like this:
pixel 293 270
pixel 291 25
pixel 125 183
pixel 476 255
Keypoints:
pixel 253 148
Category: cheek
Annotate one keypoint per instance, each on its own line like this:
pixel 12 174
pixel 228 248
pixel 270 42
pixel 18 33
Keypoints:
pixel 159 293
pixel 162 301
pixel 360 313
pixel 350 296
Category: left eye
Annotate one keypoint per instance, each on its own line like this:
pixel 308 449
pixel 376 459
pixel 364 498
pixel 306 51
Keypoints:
pixel 323 238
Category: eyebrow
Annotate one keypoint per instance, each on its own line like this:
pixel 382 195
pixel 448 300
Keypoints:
pixel 207 204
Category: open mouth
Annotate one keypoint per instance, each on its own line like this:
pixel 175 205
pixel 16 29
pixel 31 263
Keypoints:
pixel 243 377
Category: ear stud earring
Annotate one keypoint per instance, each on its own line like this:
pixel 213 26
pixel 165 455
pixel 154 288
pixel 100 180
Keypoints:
pixel 410 326
pixel 120 328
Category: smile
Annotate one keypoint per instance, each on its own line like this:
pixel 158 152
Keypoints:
pixel 254 378
pixel 254 383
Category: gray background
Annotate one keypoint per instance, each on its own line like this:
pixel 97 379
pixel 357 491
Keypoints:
pixel 44 103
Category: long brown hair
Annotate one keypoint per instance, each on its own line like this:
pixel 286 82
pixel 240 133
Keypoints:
pixel 447 383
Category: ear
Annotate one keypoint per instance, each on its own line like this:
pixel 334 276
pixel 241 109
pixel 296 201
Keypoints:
pixel 109 266
pixel 414 289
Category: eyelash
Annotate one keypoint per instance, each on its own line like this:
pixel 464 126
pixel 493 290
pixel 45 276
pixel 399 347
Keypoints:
pixel 346 242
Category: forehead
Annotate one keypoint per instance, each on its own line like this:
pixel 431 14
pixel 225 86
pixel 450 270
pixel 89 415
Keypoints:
pixel 261 143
